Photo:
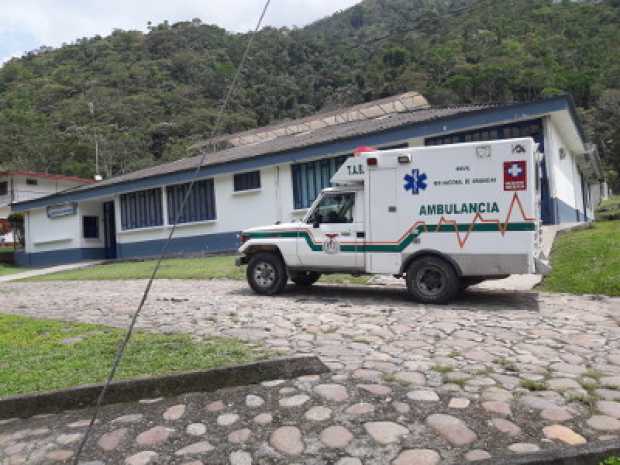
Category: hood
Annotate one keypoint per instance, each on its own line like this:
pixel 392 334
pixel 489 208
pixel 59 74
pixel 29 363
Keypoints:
pixel 275 227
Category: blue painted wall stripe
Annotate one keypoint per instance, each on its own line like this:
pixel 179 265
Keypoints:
pixel 207 243
pixel 57 257
pixel 564 213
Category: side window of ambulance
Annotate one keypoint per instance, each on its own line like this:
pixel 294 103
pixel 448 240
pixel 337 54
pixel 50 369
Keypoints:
pixel 335 209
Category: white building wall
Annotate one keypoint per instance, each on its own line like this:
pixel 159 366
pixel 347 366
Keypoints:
pixel 563 173
pixel 45 234
pixel 24 191
pixel 20 190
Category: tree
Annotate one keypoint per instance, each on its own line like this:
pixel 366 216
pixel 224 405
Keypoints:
pixel 156 93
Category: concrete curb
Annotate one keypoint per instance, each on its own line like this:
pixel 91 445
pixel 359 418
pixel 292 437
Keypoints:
pixel 589 454
pixel 24 406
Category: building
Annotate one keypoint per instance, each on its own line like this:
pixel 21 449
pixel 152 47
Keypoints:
pixel 19 186
pixel 273 174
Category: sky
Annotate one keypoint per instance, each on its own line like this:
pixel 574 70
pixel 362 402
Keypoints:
pixel 29 24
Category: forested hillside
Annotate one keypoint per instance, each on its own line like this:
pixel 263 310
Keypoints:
pixel 155 94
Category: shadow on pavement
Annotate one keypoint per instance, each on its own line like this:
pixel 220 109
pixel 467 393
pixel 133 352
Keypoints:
pixel 471 300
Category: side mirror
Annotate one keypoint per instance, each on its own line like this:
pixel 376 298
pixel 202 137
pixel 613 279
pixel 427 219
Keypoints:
pixel 315 219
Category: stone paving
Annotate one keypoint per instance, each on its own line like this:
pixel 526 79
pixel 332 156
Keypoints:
pixel 494 374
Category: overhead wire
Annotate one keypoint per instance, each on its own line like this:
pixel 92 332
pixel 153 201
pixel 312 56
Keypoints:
pixel 123 345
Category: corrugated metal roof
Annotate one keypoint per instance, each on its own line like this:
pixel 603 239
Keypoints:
pixel 285 143
pixel 409 101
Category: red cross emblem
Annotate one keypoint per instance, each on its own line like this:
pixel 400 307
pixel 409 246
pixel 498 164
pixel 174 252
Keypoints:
pixel 515 175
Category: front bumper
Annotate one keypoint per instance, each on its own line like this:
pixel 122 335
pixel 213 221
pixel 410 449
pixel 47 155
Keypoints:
pixel 240 261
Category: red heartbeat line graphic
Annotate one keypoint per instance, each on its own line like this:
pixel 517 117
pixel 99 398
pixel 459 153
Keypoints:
pixel 502 227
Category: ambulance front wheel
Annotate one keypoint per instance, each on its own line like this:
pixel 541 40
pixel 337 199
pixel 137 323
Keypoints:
pixel 432 280
pixel 305 278
pixel 266 274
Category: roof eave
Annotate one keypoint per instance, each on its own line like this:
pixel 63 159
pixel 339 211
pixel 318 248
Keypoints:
pixel 512 112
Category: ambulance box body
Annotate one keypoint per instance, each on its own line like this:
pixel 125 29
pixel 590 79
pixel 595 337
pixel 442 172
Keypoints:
pixel 442 218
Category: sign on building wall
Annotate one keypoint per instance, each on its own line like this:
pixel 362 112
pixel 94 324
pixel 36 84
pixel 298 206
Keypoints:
pixel 62 209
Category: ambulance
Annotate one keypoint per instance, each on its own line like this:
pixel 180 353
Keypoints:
pixel 442 218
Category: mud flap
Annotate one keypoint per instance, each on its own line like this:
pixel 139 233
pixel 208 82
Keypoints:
pixel 542 266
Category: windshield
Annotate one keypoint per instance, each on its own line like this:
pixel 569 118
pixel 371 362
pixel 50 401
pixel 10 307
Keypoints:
pixel 334 208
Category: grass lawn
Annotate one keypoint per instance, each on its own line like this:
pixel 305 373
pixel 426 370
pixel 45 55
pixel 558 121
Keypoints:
pixel 33 356
pixel 6 269
pixel 10 269
pixel 587 261
pixel 218 267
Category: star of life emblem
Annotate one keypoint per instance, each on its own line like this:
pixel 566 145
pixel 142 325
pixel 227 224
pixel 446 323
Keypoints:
pixel 415 182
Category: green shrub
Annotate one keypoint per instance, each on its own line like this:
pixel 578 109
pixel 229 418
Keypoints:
pixel 609 210
pixel 611 461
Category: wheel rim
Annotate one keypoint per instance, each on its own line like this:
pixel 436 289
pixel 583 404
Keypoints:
pixel 264 275
pixel 430 281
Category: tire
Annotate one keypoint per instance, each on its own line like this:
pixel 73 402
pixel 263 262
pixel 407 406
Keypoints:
pixel 305 278
pixel 432 280
pixel 266 274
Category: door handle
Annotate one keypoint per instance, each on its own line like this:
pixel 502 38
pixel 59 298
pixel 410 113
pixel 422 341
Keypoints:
pixel 361 234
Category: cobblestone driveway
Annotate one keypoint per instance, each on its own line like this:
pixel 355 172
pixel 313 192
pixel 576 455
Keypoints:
pixel 494 374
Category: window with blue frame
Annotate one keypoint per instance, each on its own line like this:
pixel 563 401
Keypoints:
pixel 90 226
pixel 532 129
pixel 246 181
pixel 200 205
pixel 141 209
pixel 311 177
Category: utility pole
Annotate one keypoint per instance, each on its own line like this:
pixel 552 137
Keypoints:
pixel 91 107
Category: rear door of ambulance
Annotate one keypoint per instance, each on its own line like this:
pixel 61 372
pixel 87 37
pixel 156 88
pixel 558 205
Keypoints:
pixel 382 217
pixel 521 184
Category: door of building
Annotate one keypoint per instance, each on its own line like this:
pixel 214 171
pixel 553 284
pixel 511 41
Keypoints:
pixel 109 230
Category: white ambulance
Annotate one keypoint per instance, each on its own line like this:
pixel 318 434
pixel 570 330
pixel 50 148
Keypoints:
pixel 443 218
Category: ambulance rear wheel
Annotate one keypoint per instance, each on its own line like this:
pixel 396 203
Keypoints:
pixel 266 274
pixel 305 278
pixel 432 280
